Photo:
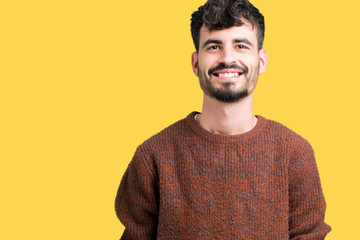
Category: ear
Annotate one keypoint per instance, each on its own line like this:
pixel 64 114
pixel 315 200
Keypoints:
pixel 195 63
pixel 263 57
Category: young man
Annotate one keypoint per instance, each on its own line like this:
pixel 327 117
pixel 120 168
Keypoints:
pixel 224 173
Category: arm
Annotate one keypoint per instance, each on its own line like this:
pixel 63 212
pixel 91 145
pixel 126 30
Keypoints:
pixel 306 200
pixel 136 202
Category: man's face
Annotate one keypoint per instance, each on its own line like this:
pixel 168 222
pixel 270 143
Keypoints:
pixel 228 62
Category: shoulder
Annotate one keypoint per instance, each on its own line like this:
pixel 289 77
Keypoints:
pixel 163 146
pixel 166 139
pixel 287 137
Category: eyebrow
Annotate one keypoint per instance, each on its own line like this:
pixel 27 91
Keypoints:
pixel 211 41
pixel 243 40
pixel 238 40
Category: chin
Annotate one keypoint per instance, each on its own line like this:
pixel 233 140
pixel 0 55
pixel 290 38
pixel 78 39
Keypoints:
pixel 230 97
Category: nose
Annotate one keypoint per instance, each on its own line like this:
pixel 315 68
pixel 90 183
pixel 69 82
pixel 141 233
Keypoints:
pixel 228 56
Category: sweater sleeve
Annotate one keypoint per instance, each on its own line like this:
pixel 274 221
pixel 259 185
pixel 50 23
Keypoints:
pixel 306 200
pixel 136 202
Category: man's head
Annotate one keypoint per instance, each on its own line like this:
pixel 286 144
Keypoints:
pixel 229 55
pixel 222 14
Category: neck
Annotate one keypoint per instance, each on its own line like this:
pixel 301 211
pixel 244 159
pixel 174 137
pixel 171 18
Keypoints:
pixel 227 118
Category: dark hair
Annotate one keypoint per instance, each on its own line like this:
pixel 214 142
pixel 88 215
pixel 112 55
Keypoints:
pixel 222 14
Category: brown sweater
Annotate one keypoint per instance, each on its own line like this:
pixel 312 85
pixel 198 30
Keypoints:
pixel 187 183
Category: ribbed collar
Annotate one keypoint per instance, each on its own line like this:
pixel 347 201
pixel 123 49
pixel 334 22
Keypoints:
pixel 196 127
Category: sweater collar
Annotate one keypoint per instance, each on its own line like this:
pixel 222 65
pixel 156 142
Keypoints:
pixel 247 136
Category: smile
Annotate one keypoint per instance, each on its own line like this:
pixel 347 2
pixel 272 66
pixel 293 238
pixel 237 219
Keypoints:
pixel 233 74
pixel 227 74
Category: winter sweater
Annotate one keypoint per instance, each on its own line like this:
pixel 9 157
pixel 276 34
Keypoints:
pixel 188 183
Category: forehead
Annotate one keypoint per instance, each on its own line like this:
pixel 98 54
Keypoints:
pixel 247 30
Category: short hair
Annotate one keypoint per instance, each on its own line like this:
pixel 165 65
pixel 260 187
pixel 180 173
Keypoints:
pixel 223 14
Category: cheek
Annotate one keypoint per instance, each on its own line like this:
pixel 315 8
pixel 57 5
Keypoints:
pixel 207 62
pixel 253 66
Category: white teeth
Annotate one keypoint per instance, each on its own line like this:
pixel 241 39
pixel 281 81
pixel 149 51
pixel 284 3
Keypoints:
pixel 236 74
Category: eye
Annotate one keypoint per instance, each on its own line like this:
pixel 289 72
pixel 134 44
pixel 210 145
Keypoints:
pixel 240 46
pixel 213 47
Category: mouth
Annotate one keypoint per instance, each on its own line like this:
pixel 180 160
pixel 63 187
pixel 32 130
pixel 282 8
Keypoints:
pixel 227 74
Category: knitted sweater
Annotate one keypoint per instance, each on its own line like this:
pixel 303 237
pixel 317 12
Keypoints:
pixel 187 183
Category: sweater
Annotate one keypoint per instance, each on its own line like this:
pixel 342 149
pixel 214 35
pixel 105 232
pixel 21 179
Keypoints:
pixel 188 183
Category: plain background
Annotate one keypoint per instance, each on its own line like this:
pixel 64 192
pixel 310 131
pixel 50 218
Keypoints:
pixel 83 83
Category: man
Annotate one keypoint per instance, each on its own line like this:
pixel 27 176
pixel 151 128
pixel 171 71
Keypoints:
pixel 224 173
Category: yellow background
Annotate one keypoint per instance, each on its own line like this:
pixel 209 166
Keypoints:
pixel 83 83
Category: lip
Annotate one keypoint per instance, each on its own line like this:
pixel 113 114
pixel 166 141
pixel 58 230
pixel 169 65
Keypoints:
pixel 227 74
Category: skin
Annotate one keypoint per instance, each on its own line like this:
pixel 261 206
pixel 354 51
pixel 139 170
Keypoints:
pixel 236 45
